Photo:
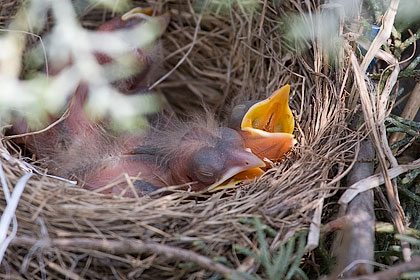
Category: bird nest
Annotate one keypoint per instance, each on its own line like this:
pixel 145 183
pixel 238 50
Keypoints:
pixel 217 55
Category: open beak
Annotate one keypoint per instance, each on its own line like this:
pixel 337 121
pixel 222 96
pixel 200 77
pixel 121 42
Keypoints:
pixel 242 166
pixel 137 12
pixel 268 125
pixel 266 129
pixel 147 13
pixel 238 179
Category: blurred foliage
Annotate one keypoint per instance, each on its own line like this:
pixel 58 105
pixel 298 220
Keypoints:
pixel 301 29
pixel 28 90
pixel 112 5
pixel 408 15
pixel 225 7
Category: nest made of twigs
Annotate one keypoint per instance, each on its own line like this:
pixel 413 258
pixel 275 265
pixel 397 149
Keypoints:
pixel 217 57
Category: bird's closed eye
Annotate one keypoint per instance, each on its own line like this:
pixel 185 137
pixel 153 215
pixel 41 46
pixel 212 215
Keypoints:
pixel 206 171
pixel 205 174
pixel 206 165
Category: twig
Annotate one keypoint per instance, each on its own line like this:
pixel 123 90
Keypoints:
pixel 262 17
pixel 361 216
pixel 393 272
pixel 355 242
pixel 127 246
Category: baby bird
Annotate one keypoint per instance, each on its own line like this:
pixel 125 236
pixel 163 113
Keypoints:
pixel 196 152
pixel 145 62
pixel 266 126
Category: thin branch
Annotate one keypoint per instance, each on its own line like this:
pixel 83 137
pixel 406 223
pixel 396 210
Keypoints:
pixel 361 232
pixel 393 272
pixel 127 246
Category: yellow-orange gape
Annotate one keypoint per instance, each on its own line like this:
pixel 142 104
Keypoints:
pixel 268 125
pixel 266 128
